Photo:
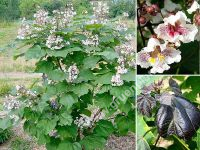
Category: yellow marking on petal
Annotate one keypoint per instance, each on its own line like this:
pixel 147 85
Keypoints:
pixel 161 57
pixel 152 60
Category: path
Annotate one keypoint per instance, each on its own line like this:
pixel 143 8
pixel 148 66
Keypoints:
pixel 19 75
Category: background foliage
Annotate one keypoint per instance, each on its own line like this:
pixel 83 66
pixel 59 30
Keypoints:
pixel 14 9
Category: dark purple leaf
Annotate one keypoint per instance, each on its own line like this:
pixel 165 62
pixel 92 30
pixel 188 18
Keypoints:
pixel 181 118
pixel 175 87
pixel 145 104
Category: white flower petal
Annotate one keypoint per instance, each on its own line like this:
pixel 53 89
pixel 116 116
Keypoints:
pixel 194 7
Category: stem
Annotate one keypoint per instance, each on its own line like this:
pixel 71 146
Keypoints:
pixel 59 64
pixel 140 29
pixel 97 113
pixel 149 26
pixel 157 140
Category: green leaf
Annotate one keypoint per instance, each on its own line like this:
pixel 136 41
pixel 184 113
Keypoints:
pixel 109 54
pixel 63 53
pixel 56 75
pixel 81 89
pixel 105 78
pixel 68 131
pixel 47 125
pixel 198 139
pixel 65 119
pixel 123 124
pixel 90 62
pixel 129 76
pixel 69 146
pixel 85 75
pixel 68 100
pixel 41 105
pixel 35 52
pixel 44 67
pixel 5 123
pixel 92 142
pixel 93 26
pixel 122 92
pixel 104 88
pixel 143 129
pixel 103 100
pixel 104 128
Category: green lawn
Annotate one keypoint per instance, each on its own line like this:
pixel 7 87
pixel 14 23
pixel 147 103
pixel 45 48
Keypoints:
pixel 8 46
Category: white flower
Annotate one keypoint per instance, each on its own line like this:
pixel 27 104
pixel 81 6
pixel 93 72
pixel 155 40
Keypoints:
pixel 175 29
pixel 93 40
pixel 73 73
pixel 84 121
pixel 194 7
pixel 121 26
pixel 197 37
pixel 158 56
pixel 116 80
pixel 62 18
pixel 11 103
pixel 121 70
pixel 41 17
pixel 54 42
pixel 24 31
pixel 100 12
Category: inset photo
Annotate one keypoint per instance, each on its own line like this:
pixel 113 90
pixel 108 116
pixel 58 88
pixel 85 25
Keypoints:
pixel 168 37
pixel 168 112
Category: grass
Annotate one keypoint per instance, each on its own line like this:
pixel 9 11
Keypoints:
pixel 8 34
pixel 6 85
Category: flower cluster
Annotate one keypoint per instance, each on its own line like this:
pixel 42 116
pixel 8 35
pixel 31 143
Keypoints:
pixel 11 102
pixel 61 18
pixel 92 40
pixel 42 21
pixel 88 121
pixel 21 90
pixel 24 31
pixel 83 121
pixel 126 52
pixel 162 48
pixel 54 42
pixel 101 11
pixel 73 73
pixel 41 17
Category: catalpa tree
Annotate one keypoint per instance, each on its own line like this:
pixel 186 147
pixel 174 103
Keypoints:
pixel 88 67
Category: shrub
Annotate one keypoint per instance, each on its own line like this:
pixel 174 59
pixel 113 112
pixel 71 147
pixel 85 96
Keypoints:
pixel 4 88
pixel 4 135
pixel 88 66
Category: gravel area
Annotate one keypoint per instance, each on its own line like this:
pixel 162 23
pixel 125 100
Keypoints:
pixel 121 143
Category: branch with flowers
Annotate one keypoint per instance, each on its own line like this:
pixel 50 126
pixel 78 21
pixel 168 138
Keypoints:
pixel 164 31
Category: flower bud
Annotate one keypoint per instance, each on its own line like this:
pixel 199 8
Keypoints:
pixel 197 19
pixel 156 7
pixel 150 9
pixel 142 20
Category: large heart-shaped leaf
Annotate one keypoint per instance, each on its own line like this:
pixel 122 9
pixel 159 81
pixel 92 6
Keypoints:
pixel 181 118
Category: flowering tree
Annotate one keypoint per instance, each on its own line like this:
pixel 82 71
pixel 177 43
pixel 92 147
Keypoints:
pixel 168 35
pixel 88 65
